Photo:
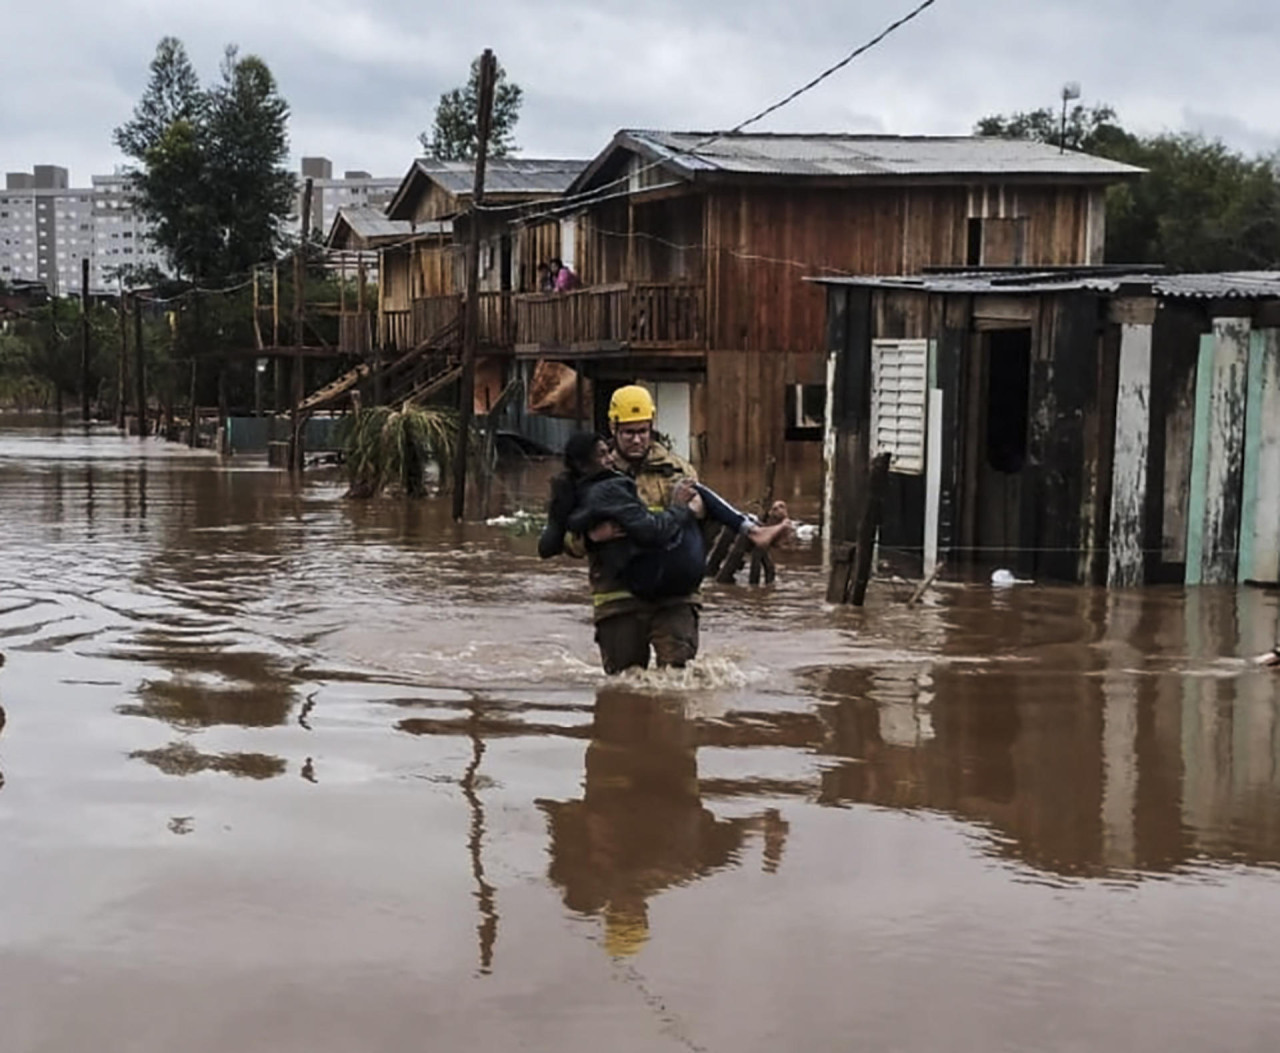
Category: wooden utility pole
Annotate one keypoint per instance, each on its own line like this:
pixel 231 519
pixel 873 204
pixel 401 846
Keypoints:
pixel 122 384
pixel 84 340
pixel 277 366
pixel 296 452
pixel 139 369
pixel 471 326
pixel 193 421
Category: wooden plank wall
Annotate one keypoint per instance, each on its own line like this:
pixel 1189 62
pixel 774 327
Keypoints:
pixel 762 243
pixel 1218 458
pixel 669 242
pixel 394 276
pixel 602 252
pixel 1260 524
pixel 435 203
pixel 1176 348
pixel 434 269
pixel 1064 354
pixel 745 412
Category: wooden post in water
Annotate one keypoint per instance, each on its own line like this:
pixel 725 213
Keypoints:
pixel 139 369
pixel 737 554
pixel 122 383
pixel 761 560
pixel 85 346
pixel 296 453
pixel 867 528
pixel 471 327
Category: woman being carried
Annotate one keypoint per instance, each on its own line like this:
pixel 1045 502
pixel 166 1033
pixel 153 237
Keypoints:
pixel 660 554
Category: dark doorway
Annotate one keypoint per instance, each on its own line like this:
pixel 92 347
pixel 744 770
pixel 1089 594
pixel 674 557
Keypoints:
pixel 996 455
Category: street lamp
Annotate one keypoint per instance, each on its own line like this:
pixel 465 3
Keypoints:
pixel 1070 92
pixel 257 386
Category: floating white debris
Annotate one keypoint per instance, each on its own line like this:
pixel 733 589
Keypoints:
pixel 516 518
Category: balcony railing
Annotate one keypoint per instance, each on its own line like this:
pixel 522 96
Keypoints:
pixel 395 330
pixel 431 315
pixel 636 315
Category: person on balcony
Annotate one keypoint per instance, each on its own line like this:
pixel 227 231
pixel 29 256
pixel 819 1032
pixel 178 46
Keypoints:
pixel 564 278
pixel 546 278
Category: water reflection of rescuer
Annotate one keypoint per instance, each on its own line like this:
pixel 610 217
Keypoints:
pixel 632 510
pixel 641 826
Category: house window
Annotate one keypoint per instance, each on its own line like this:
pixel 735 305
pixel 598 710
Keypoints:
pixel 899 393
pixel 806 406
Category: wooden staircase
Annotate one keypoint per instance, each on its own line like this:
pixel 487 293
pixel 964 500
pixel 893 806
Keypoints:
pixel 417 374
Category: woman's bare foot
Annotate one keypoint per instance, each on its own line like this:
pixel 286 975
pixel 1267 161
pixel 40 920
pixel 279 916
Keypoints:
pixel 1271 658
pixel 765 536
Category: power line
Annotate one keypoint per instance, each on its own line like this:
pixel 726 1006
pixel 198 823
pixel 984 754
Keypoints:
pixel 862 49
pixel 828 72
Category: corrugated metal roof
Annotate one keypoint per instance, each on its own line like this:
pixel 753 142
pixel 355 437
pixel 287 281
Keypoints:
pixel 1227 285
pixel 368 222
pixel 870 155
pixel 515 176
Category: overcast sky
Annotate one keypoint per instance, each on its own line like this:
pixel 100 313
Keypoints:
pixel 363 76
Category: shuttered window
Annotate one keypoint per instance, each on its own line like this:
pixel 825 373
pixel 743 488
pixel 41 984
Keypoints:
pixel 899 395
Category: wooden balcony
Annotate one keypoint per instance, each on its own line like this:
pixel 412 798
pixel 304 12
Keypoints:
pixel 431 315
pixel 628 315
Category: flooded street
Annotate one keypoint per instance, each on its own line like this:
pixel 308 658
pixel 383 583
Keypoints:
pixel 285 772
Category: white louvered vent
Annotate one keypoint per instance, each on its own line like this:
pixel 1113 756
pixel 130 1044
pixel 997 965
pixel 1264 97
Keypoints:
pixel 899 396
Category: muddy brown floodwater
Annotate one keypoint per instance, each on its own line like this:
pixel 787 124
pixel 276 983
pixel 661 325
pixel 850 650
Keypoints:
pixel 288 773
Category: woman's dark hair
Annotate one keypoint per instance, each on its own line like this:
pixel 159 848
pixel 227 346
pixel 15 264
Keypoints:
pixel 580 451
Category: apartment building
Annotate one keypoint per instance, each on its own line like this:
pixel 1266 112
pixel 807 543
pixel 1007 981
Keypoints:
pixel 120 232
pixel 329 194
pixel 46 228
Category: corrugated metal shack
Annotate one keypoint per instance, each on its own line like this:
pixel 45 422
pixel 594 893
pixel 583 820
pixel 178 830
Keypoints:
pixel 1081 425
pixel 692 249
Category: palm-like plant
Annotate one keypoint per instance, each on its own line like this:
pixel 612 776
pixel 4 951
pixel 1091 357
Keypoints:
pixel 387 447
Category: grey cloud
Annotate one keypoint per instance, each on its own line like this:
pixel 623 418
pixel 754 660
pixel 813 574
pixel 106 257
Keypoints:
pixel 362 79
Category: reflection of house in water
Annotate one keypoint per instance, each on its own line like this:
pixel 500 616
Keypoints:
pixel 641 825
pixel 1093 756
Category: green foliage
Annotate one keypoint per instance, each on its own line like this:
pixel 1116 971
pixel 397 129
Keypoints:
pixel 455 134
pixel 387 448
pixel 1200 207
pixel 1090 129
pixel 210 175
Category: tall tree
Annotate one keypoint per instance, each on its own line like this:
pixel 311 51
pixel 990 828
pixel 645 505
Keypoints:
pixel 210 176
pixel 455 134
pixel 1200 206
pixel 173 94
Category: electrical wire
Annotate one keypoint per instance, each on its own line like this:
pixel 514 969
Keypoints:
pixel 589 197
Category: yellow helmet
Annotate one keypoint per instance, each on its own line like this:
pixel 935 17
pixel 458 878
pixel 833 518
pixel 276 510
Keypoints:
pixel 631 404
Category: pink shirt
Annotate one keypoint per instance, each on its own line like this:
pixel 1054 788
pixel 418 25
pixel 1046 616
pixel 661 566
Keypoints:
pixel 566 280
